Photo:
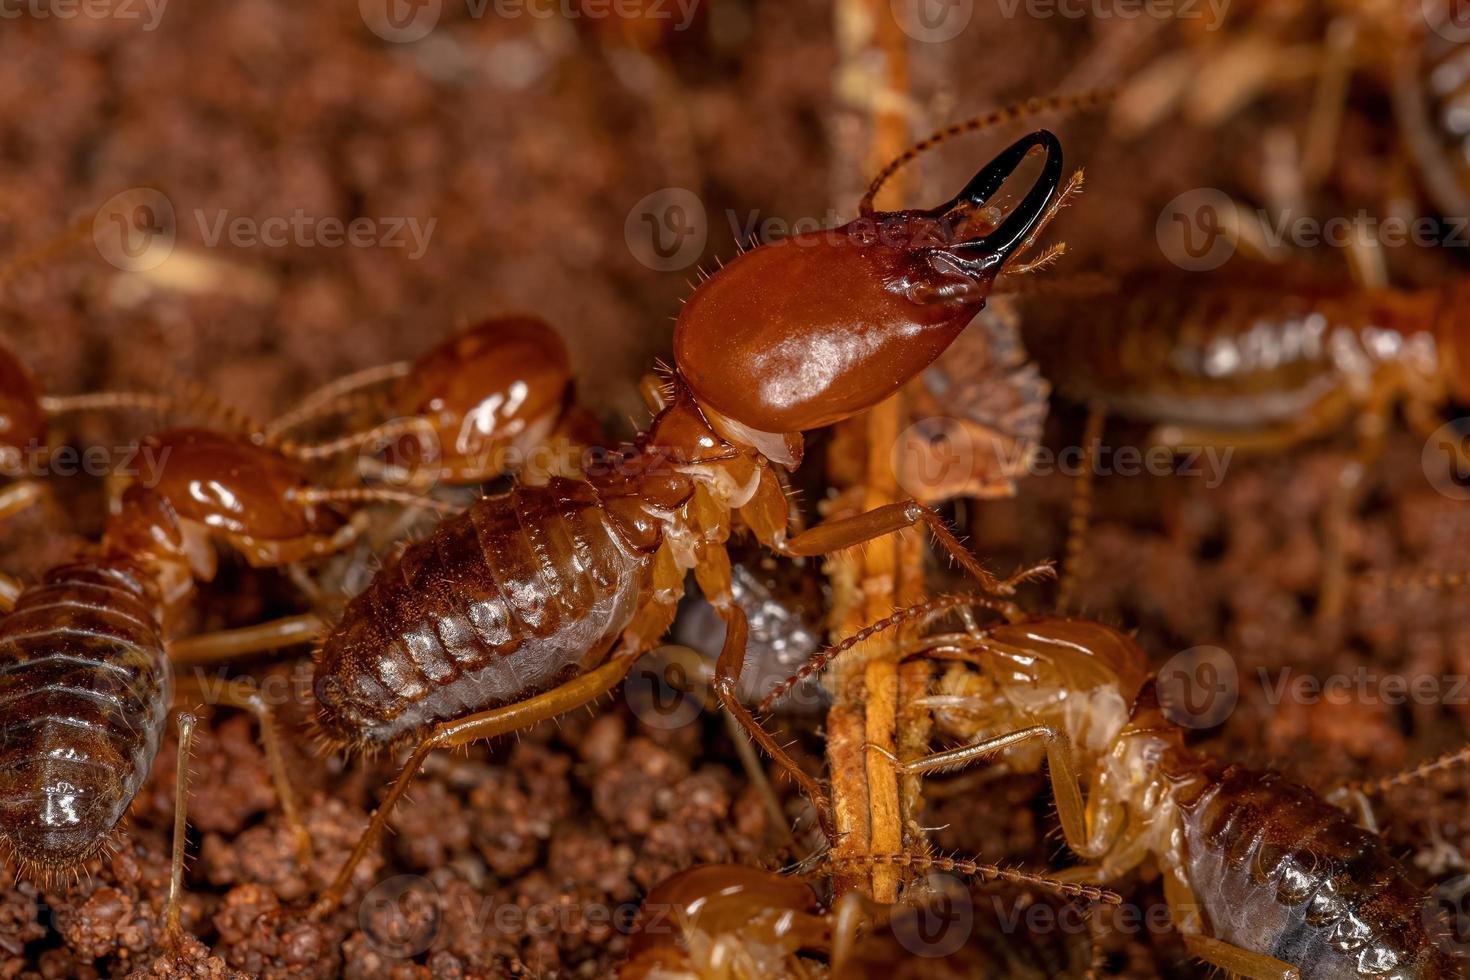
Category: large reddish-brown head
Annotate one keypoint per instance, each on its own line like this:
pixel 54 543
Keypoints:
pixel 807 331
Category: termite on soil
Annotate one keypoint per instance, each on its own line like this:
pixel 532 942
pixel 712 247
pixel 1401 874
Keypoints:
pixel 469 410
pixel 536 601
pixel 1259 359
pixel 723 920
pixel 85 675
pixel 1263 877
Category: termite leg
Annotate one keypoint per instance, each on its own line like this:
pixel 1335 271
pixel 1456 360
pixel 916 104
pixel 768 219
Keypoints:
pixel 694 664
pixel 211 648
pixel 1236 961
pixel 288 551
pixel 373 495
pixel 853 912
pixel 19 496
pixel 481 725
pixel 173 931
pixel 830 536
pixel 1326 416
pixel 243 694
pixel 10 590
pixel 1329 99
pixel 1342 506
pixel 1064 782
pixel 727 685
pixel 1081 517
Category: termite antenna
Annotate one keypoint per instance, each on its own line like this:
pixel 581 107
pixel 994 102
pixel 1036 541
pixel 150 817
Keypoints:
pixel 46 251
pixel 1423 770
pixel 982 870
pixel 1079 102
pixel 921 610
pixel 1404 581
pixel 334 396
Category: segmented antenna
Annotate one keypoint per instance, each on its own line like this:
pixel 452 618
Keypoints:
pixel 1424 770
pixel 908 614
pixel 1080 102
pixel 979 869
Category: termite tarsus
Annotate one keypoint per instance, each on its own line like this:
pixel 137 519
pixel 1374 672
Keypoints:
pixel 1263 877
pixel 721 920
pixel 85 677
pixel 536 601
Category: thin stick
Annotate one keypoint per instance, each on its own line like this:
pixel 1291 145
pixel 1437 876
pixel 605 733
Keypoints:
pixel 172 928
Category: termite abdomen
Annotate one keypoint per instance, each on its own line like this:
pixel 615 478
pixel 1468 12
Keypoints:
pixel 518 593
pixel 84 691
pixel 1279 870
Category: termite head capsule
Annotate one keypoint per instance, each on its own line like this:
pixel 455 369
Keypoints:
pixel 499 384
pixel 813 329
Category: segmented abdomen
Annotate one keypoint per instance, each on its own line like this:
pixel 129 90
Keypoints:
pixel 505 600
pixel 1280 871
pixel 84 694
pixel 1231 356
